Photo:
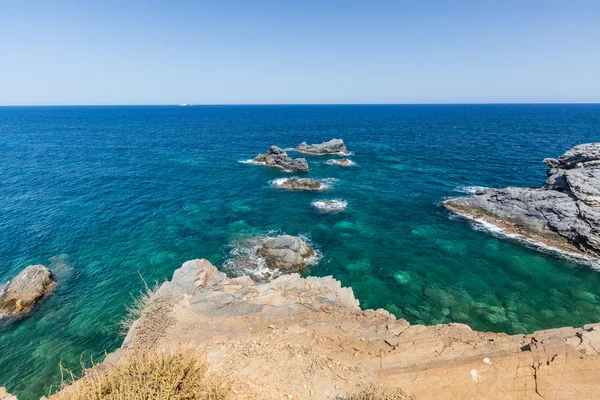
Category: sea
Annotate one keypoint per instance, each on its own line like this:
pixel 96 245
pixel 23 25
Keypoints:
pixel 112 198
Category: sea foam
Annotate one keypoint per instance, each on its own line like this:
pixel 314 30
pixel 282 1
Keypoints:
pixel 330 206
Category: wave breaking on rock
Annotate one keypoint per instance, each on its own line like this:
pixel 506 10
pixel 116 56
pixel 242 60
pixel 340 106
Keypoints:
pixel 564 213
pixel 330 206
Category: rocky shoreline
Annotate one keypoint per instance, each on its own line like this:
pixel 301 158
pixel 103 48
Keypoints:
pixel 564 213
pixel 308 338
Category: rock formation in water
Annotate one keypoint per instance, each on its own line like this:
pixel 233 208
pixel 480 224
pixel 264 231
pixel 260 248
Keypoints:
pixel 24 290
pixel 277 157
pixel 307 338
pixel 300 184
pixel 344 162
pixel 330 205
pixel 334 146
pixel 286 253
pixel 563 213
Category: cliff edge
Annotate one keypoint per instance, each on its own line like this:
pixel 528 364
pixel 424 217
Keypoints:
pixel 307 338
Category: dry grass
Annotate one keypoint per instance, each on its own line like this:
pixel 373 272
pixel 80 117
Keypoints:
pixel 140 303
pixel 180 375
pixel 376 392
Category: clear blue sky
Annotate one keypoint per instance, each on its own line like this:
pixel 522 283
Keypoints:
pixel 304 51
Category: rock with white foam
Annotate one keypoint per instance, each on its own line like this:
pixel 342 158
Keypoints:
pixel 299 184
pixel 564 212
pixel 330 206
pixel 344 162
pixel 286 253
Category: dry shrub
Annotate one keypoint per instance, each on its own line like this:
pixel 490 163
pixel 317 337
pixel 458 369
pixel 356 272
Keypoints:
pixel 377 392
pixel 140 303
pixel 180 375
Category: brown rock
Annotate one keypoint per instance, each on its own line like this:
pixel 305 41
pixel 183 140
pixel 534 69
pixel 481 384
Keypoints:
pixel 24 290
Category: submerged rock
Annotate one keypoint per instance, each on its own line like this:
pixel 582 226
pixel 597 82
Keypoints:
pixel 300 184
pixel 20 295
pixel 334 146
pixel 330 205
pixel 277 157
pixel 286 253
pixel 564 213
pixel 344 162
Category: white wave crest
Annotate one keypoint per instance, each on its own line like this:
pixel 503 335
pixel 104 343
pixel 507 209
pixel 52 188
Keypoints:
pixel 251 161
pixel 485 226
pixel 470 189
pixel 338 162
pixel 336 205
pixel 244 261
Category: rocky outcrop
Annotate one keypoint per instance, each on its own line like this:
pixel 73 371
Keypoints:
pixel 277 157
pixel 308 338
pixel 20 295
pixel 300 184
pixel 563 213
pixel 334 146
pixel 286 253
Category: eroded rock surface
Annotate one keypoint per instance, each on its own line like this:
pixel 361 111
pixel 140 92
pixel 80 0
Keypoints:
pixel 24 290
pixel 277 157
pixel 307 338
pixel 564 212
pixel 334 146
pixel 286 253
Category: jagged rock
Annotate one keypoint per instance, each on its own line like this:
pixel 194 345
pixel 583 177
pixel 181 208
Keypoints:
pixel 565 212
pixel 286 253
pixel 583 155
pixel 20 295
pixel 301 184
pixel 334 146
pixel 277 157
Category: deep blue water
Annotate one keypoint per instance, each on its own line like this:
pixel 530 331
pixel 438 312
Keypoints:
pixel 104 194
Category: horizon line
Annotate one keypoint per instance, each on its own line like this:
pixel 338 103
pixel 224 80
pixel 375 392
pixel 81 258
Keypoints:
pixel 295 104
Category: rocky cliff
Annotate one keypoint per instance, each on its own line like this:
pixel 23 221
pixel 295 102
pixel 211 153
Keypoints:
pixel 307 338
pixel 563 213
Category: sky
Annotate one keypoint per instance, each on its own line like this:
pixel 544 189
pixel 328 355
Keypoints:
pixel 298 52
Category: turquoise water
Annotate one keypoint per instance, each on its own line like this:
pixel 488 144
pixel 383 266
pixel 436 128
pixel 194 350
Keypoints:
pixel 103 194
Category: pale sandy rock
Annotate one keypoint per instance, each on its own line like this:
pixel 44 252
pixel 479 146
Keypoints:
pixel 28 287
pixel 307 337
pixel 4 395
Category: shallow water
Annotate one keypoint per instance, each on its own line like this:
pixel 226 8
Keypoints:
pixel 103 195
